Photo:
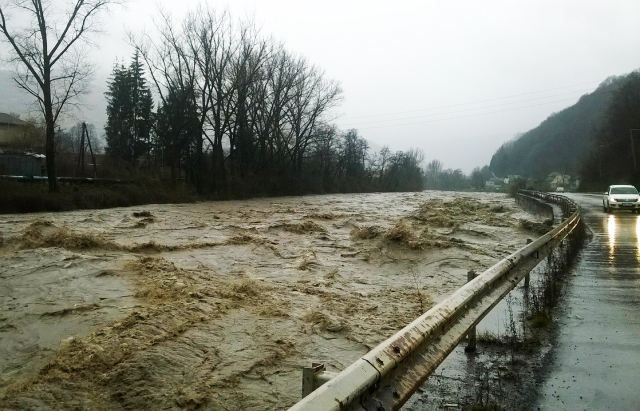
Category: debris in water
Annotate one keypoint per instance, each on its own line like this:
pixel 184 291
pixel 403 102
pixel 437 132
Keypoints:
pixel 304 227
pixel 307 260
pixel 366 233
pixel 140 214
pixel 535 227
pixel 207 291
pixel 401 233
pixel 322 321
pixel 71 310
pixel 42 234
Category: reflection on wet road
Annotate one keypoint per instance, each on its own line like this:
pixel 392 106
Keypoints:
pixel 597 356
pixel 623 237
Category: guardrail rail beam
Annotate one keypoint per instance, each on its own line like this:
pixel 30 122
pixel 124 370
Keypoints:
pixel 386 377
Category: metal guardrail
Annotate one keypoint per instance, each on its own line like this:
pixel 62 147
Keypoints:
pixel 64 180
pixel 567 206
pixel 385 377
pixel 536 206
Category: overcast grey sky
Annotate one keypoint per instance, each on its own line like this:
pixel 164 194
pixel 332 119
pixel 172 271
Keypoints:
pixel 453 78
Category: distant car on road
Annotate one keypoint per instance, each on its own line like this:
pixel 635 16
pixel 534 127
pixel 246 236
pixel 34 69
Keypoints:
pixel 621 197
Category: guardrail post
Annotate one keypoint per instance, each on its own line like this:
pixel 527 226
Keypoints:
pixel 313 377
pixel 471 335
pixel 308 378
pixel 391 372
pixel 526 277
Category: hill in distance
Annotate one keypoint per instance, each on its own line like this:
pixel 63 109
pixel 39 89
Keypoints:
pixel 14 100
pixel 561 143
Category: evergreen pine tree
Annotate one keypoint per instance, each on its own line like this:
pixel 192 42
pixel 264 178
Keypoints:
pixel 141 109
pixel 129 113
pixel 118 119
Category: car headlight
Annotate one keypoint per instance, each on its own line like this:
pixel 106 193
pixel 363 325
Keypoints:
pixel 613 200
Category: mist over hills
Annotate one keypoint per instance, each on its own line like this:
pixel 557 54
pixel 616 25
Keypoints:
pixel 562 142
pixel 14 100
pixel 90 107
pixel 589 139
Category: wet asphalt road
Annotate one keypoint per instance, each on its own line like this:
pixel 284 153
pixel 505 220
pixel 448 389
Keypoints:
pixel 596 364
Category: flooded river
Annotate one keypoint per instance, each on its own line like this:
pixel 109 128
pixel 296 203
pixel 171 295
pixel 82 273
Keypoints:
pixel 219 305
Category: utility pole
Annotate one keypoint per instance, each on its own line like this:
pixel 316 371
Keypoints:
pixel 633 148
pixel 80 168
pixel 81 161
pixel 93 156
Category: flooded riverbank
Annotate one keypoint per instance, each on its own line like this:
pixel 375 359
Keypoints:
pixel 219 304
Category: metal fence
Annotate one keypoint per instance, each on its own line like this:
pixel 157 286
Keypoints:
pixel 385 377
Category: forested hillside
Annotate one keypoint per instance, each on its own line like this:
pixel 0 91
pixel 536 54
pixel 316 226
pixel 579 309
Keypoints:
pixel 560 143
pixel 614 154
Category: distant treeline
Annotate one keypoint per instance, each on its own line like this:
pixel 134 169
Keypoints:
pixel 238 115
pixel 436 177
pixel 593 140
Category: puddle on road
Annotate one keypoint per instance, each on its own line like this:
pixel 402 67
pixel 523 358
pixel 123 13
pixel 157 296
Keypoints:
pixel 218 305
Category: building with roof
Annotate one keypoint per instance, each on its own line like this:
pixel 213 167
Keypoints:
pixel 12 129
pixel 22 164
pixel 18 141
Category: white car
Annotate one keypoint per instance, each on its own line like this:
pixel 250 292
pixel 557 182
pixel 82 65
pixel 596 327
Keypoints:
pixel 621 197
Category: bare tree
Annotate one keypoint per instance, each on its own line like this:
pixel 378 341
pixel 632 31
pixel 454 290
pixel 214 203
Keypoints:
pixel 312 96
pixel 260 108
pixel 51 68
pixel 433 173
pixel 248 64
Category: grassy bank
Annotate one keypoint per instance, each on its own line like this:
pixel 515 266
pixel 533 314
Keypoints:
pixel 17 197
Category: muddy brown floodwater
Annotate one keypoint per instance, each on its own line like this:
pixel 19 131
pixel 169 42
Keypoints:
pixel 219 305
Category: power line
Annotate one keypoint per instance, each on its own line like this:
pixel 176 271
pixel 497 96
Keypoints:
pixel 473 102
pixel 545 99
pixel 464 116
